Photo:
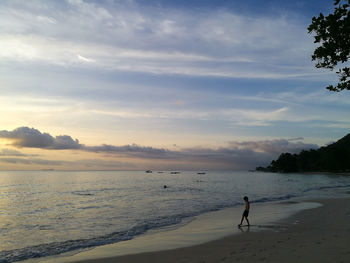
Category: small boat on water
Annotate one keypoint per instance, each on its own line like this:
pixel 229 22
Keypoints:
pixel 174 172
pixel 201 173
pixel 149 171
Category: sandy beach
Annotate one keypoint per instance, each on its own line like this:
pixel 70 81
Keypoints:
pixel 315 235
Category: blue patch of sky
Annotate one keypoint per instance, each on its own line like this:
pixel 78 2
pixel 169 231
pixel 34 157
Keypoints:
pixel 256 7
pixel 322 131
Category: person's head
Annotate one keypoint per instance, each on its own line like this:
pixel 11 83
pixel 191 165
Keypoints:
pixel 245 198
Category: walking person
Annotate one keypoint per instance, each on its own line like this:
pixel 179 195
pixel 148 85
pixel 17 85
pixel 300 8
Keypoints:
pixel 246 211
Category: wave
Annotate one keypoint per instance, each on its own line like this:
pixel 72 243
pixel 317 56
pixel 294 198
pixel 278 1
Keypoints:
pixel 325 187
pixel 184 189
pixel 55 248
pixel 90 192
pixel 289 196
pixel 272 199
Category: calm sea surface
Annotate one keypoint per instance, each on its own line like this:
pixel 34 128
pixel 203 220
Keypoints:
pixel 45 213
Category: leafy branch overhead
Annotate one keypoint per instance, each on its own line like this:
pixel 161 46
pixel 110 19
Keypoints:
pixel 333 33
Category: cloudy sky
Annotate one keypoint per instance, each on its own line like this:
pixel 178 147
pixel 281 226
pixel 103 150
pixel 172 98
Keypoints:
pixel 160 84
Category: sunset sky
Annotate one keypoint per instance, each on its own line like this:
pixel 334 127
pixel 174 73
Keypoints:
pixel 167 85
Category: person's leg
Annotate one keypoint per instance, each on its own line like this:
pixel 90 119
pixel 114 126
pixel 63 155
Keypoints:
pixel 246 218
pixel 241 221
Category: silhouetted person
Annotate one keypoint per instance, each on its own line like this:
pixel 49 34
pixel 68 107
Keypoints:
pixel 246 211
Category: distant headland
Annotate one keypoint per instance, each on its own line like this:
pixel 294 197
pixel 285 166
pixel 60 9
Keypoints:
pixel 334 158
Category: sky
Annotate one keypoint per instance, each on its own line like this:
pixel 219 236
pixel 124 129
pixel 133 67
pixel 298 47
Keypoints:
pixel 163 85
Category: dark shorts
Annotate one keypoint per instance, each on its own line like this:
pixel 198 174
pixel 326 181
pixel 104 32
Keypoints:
pixel 246 213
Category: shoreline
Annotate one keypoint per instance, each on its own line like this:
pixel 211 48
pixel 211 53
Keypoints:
pixel 314 235
pixel 205 229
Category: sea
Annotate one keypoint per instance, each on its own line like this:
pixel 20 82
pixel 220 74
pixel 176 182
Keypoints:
pixel 47 213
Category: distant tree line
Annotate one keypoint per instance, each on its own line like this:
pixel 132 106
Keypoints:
pixel 332 158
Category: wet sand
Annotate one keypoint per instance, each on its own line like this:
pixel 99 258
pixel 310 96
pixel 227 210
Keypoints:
pixel 316 235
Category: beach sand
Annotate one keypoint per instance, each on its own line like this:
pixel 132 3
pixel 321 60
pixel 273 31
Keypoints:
pixel 321 234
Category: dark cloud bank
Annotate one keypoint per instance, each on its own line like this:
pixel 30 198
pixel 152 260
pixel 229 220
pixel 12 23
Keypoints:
pixel 237 155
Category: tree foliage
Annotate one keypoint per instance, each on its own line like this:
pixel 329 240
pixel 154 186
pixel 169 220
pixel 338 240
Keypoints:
pixel 332 32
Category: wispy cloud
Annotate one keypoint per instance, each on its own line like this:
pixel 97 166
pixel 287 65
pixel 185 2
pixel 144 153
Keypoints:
pixel 236 155
pixel 12 152
pixel 159 41
pixel 31 161
pixel 88 164
pixel 276 146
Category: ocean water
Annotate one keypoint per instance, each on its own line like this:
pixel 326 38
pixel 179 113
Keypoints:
pixel 46 213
